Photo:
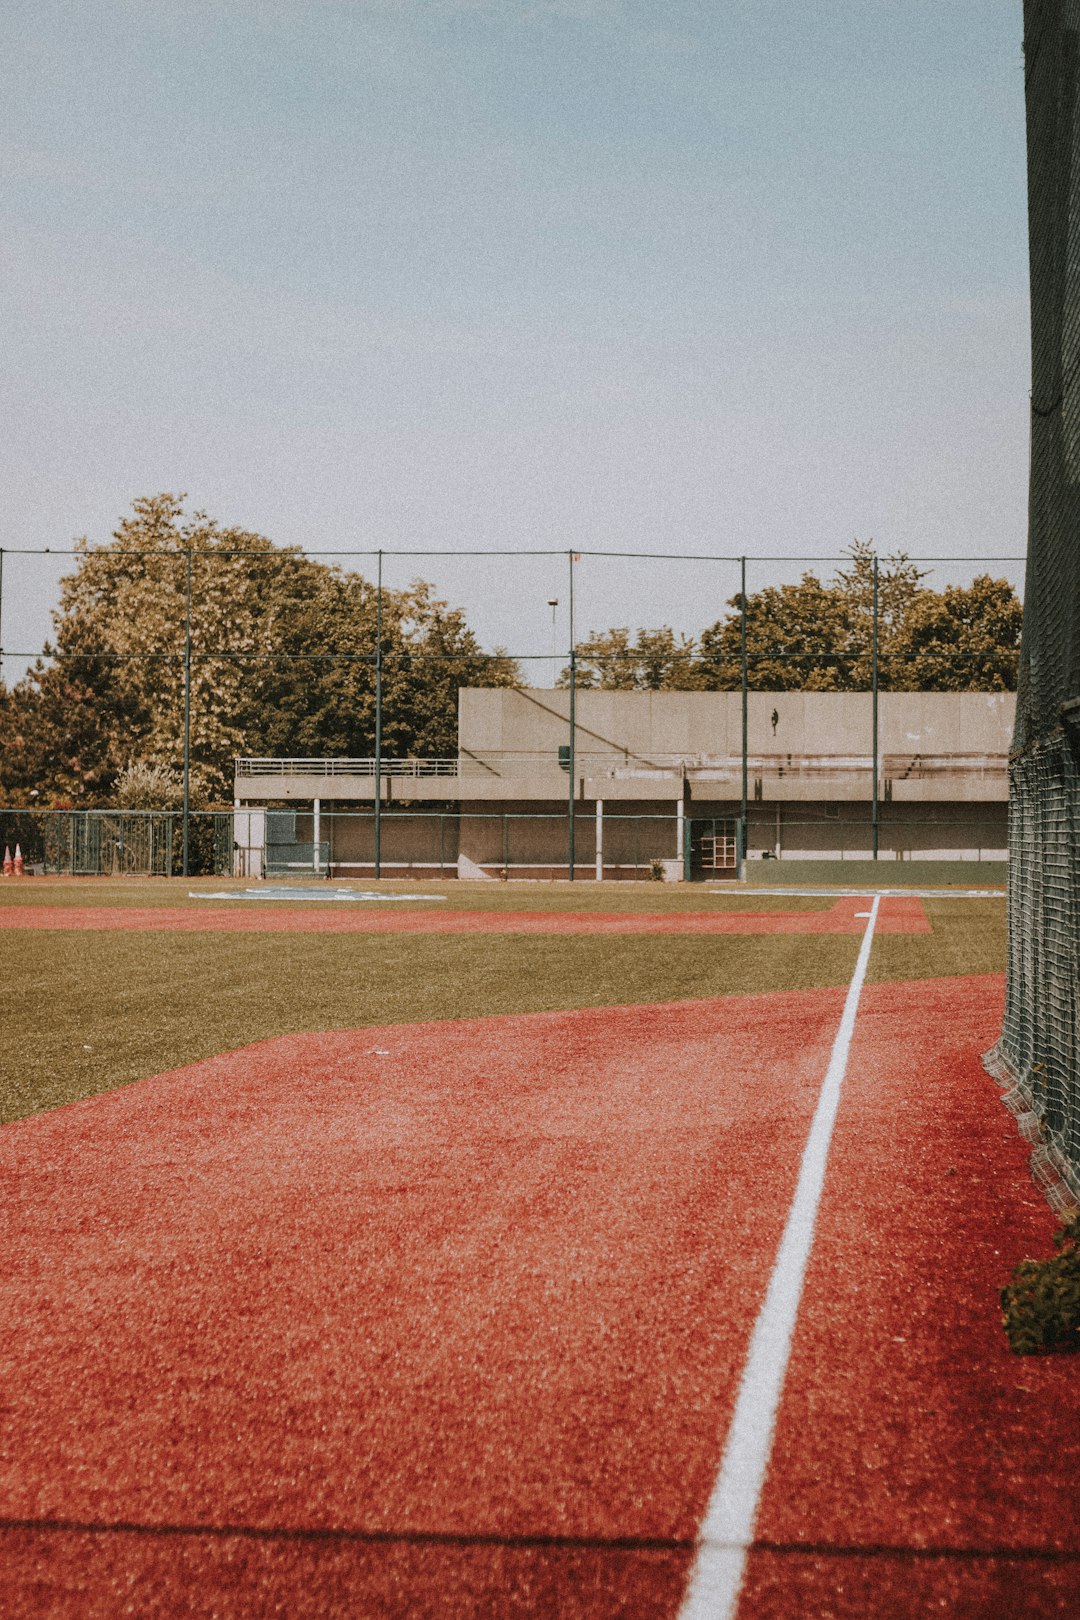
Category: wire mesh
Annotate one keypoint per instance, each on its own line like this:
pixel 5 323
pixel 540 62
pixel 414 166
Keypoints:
pixel 1038 1055
pixel 119 843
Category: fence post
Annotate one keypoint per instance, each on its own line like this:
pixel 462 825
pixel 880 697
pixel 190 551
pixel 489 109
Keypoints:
pixel 187 716
pixel 378 719
pixel 743 682
pixel 573 719
pixel 874 693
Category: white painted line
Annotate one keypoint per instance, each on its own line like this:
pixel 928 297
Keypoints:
pixel 728 1526
pixel 859 894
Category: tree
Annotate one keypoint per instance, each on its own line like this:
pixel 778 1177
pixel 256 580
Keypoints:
pixel 60 735
pixel 963 639
pixel 899 586
pixel 140 786
pixel 818 636
pixel 317 695
pixel 798 637
pixel 282 660
pixel 653 661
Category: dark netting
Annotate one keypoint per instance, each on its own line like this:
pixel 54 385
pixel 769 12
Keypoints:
pixel 1038 1056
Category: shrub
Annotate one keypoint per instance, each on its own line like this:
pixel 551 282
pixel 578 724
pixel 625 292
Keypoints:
pixel 1041 1305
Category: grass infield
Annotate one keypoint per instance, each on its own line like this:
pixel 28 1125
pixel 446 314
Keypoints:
pixel 88 1012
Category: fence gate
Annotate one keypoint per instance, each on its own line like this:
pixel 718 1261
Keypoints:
pixel 712 849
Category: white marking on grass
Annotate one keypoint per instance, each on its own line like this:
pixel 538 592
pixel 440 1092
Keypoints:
pixel 862 894
pixel 728 1526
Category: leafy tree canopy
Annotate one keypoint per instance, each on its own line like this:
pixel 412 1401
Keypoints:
pixel 818 637
pixel 650 661
pixel 282 663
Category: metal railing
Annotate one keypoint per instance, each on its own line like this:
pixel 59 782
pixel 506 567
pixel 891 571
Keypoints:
pixel 345 767
pixel 625 764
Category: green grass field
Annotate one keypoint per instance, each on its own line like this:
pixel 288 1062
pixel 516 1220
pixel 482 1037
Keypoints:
pixel 85 1011
pixel 881 874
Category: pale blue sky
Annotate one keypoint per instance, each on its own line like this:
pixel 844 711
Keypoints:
pixel 727 276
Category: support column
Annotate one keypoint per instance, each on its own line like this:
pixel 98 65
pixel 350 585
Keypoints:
pixel 599 840
pixel 743 685
pixel 680 816
pixel 316 830
pixel 378 718
pixel 570 808
pixel 187 715
pixel 874 698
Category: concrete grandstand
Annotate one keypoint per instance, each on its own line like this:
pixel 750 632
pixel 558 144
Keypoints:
pixel 657 777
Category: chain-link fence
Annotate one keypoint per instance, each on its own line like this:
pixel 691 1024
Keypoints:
pixel 256 661
pixel 119 843
pixel 1038 1055
pixel 448 843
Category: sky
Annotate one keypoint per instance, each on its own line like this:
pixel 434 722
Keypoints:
pixel 733 277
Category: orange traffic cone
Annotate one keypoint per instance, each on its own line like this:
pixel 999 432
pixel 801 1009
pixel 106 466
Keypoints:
pixel 8 863
pixel 17 863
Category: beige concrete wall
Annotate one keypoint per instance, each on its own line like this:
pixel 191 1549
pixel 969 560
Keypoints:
pixel 497 726
pixel 633 746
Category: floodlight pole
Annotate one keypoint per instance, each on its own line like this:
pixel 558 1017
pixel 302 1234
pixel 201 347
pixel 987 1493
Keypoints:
pixel 187 713
pixel 874 692
pixel 743 688
pixel 378 718
pixel 573 720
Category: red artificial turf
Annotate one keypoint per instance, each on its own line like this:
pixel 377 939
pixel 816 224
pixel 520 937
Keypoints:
pixel 898 914
pixel 448 1319
pixel 453 1313
pixel 918 1466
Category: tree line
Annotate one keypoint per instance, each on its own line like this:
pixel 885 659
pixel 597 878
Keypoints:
pixel 819 637
pixel 283 658
pixel 282 663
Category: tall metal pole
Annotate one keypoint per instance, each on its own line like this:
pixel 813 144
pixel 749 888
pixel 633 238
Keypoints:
pixel 378 719
pixel 874 692
pixel 1 615
pixel 573 722
pixel 743 688
pixel 187 713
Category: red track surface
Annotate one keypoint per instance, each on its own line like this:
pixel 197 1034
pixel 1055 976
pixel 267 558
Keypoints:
pixel 936 1471
pixel 448 1319
pixel 897 915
